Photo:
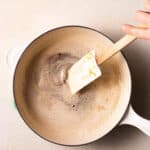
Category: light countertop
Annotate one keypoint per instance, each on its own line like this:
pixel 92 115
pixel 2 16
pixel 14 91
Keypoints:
pixel 22 21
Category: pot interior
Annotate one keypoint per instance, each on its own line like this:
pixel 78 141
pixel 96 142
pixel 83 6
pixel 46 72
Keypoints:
pixel 52 112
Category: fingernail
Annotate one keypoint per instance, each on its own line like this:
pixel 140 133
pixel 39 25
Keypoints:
pixel 138 12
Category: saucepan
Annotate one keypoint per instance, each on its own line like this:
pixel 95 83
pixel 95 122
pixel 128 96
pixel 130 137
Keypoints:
pixel 18 60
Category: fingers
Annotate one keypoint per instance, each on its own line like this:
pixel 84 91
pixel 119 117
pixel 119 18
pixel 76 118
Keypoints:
pixel 143 17
pixel 143 33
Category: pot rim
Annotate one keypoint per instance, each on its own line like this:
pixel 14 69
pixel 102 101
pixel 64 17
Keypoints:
pixel 61 27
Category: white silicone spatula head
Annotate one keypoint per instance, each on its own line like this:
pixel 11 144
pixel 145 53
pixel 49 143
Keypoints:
pixel 83 72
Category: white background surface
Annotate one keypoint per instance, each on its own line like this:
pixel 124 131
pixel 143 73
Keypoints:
pixel 23 20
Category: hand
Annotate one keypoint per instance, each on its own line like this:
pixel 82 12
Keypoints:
pixel 143 17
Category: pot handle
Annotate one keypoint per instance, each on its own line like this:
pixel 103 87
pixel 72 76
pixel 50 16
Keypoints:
pixel 133 119
pixel 13 56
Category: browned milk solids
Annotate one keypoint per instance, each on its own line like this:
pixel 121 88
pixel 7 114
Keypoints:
pixel 50 78
pixel 63 114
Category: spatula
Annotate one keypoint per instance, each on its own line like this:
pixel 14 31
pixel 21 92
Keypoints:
pixel 86 70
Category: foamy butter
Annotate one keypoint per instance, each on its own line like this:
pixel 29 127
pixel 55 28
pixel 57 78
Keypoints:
pixel 83 72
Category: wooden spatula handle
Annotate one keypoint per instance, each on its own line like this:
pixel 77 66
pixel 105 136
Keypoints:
pixel 123 42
